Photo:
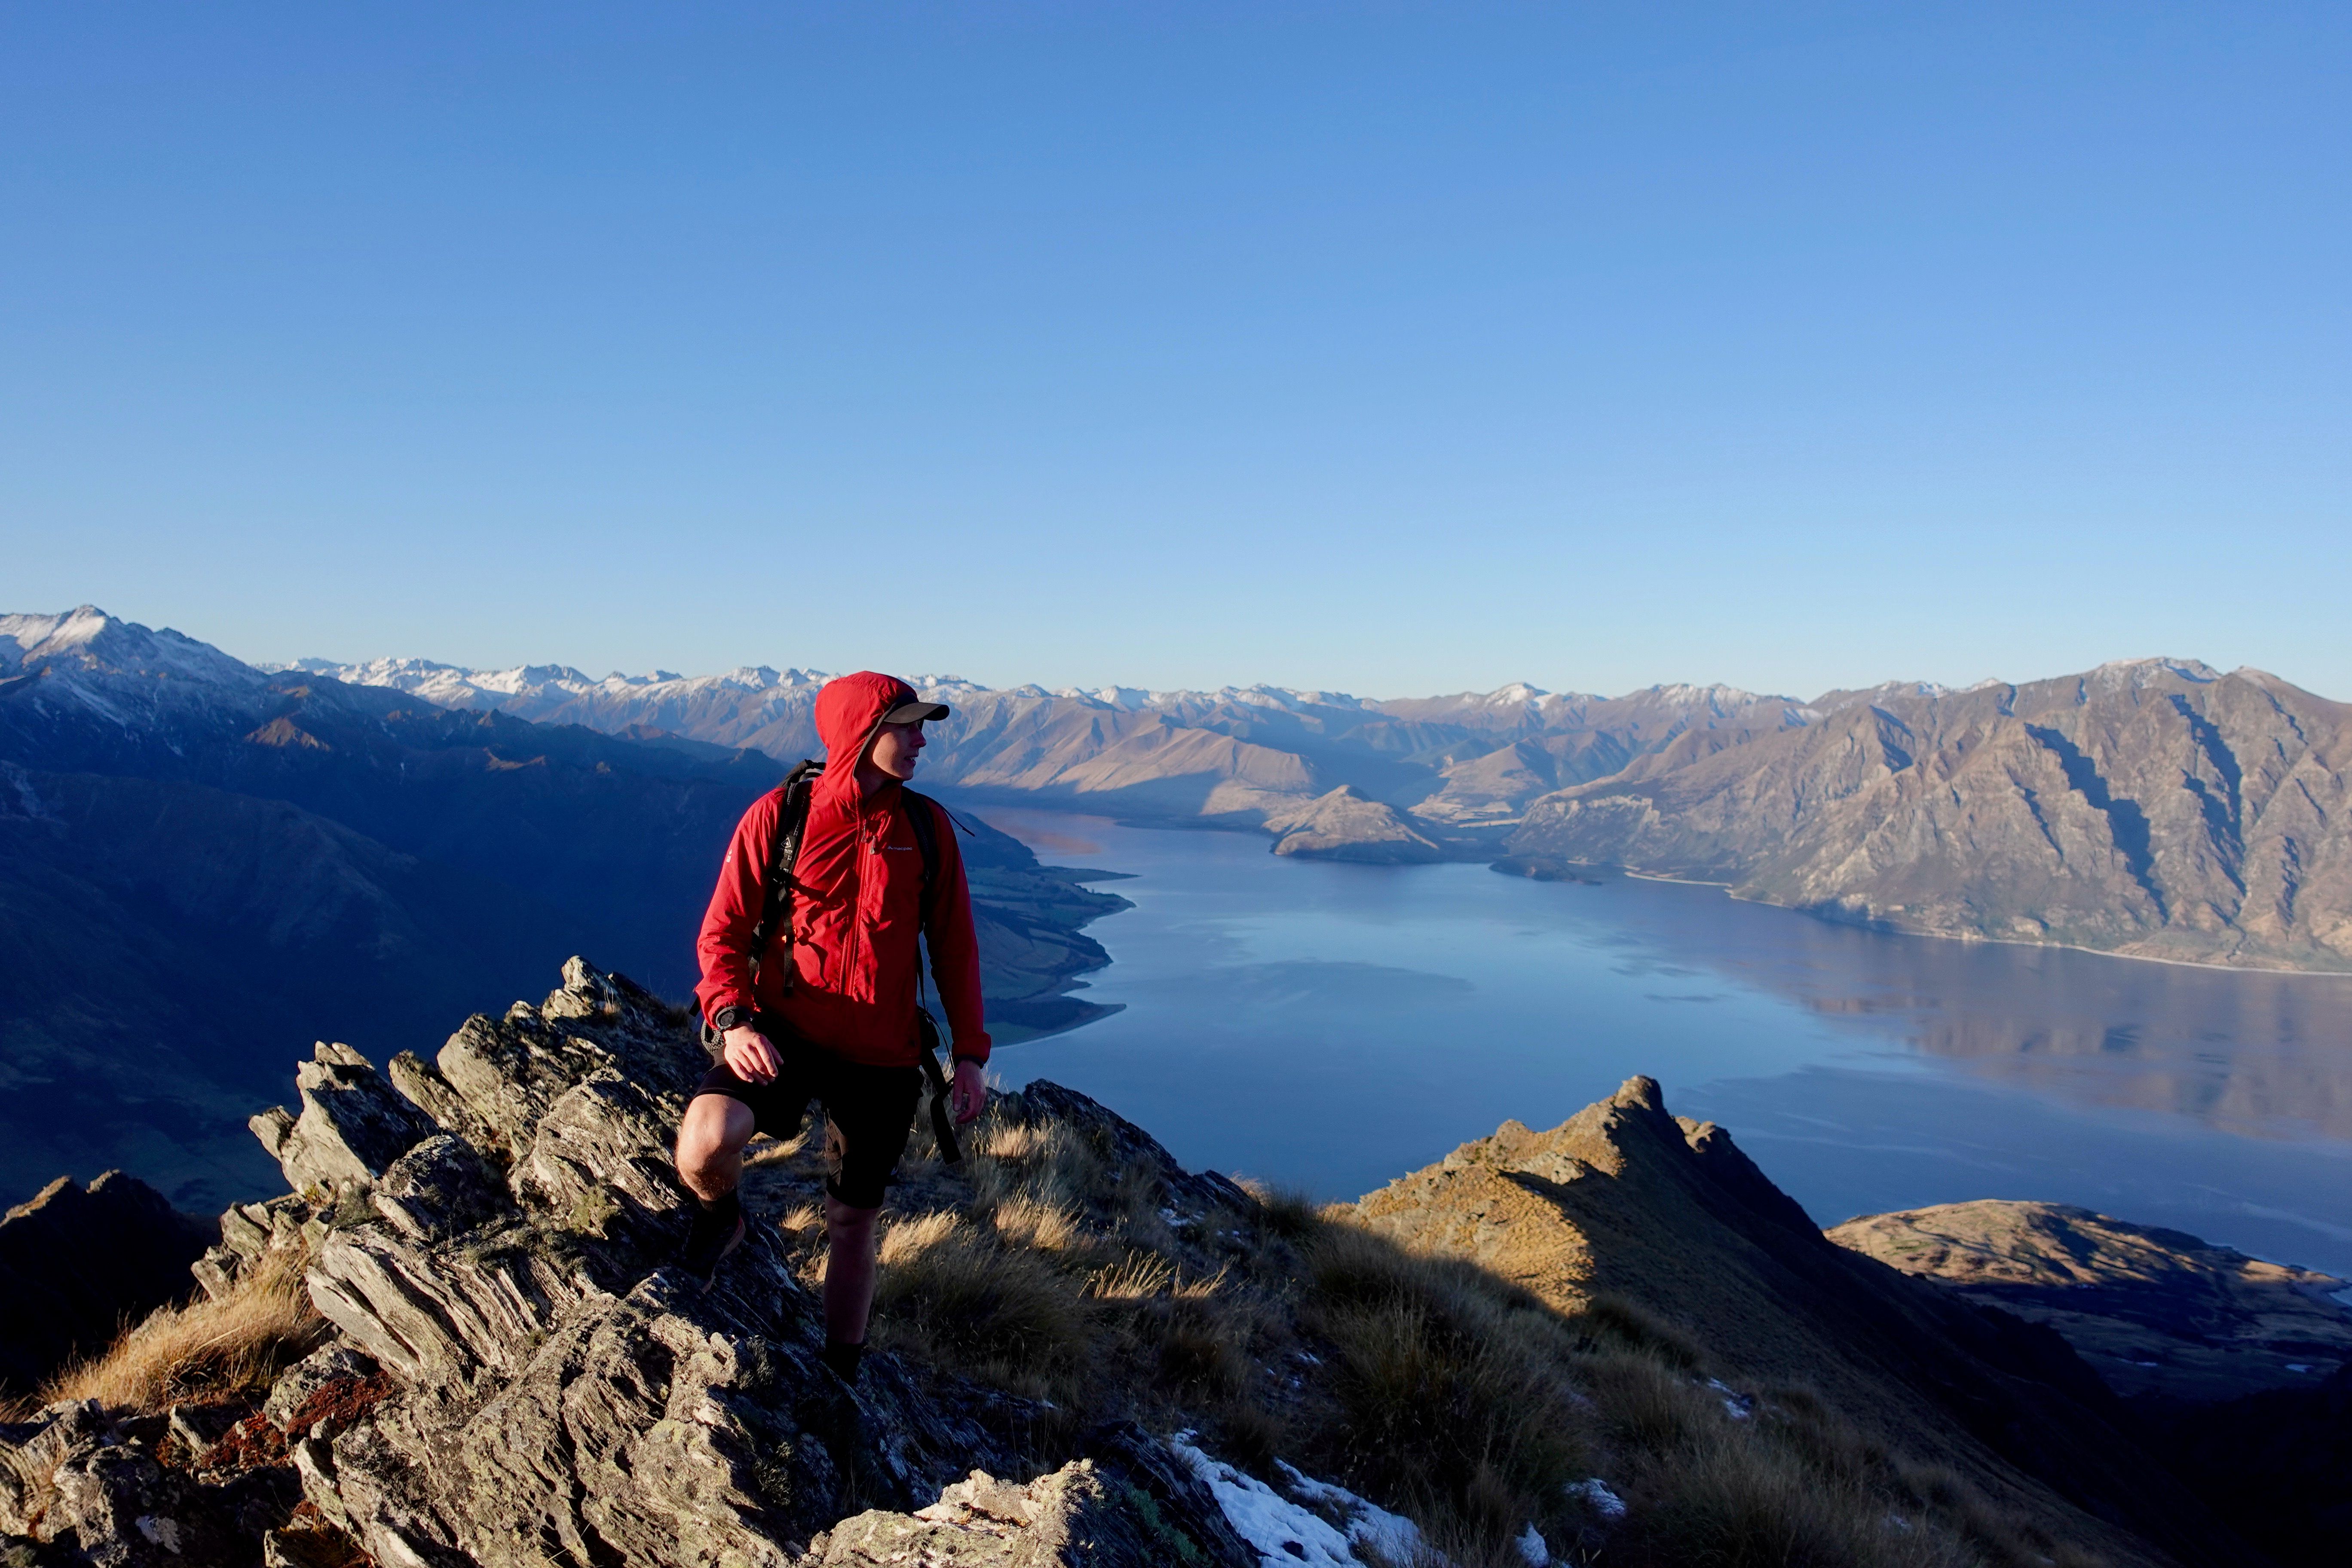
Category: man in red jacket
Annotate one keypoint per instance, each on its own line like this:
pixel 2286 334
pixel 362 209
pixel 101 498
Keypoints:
pixel 825 1011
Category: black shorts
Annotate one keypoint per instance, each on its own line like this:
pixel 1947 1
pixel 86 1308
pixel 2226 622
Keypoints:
pixel 873 1108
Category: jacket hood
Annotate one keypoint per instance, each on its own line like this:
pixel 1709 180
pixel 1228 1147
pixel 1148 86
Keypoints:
pixel 848 708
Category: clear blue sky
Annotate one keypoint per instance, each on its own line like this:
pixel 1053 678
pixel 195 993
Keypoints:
pixel 1387 348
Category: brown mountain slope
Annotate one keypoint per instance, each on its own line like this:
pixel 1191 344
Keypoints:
pixel 2153 808
pixel 2152 1311
pixel 1625 1200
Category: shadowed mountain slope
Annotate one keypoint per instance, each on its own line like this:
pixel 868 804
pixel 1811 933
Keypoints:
pixel 77 1263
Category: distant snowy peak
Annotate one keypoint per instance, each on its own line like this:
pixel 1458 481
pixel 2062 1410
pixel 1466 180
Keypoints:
pixel 86 639
pixel 1135 699
pixel 531 685
pixel 1714 698
pixel 2117 675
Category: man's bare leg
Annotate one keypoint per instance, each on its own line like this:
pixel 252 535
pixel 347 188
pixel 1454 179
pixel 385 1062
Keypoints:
pixel 848 1270
pixel 710 1140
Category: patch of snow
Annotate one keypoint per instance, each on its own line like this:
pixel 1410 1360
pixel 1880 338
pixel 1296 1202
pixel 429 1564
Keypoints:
pixel 1596 1495
pixel 1286 1533
pixel 2298 1366
pixel 1533 1548
pixel 1738 1406
pixel 1393 1536
pixel 2131 673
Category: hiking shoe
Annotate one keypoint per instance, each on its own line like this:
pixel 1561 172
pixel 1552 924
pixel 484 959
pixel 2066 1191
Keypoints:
pixel 718 1230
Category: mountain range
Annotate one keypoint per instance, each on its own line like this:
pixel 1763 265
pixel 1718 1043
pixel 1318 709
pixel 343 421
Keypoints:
pixel 203 863
pixel 2155 807
pixel 203 860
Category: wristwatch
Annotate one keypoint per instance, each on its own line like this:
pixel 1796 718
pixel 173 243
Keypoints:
pixel 730 1017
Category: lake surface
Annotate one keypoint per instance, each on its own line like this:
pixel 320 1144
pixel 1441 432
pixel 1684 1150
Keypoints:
pixel 1330 1026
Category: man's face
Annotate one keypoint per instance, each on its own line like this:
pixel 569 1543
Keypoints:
pixel 895 749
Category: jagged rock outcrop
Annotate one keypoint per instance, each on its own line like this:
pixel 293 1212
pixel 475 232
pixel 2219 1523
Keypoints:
pixel 1344 825
pixel 2151 1310
pixel 2155 807
pixel 353 1124
pixel 517 1377
pixel 76 1262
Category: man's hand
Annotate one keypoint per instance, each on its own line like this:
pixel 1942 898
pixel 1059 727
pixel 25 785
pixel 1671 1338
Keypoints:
pixel 969 1093
pixel 748 1052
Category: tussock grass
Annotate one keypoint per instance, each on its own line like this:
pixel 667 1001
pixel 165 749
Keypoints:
pixel 1453 1387
pixel 1287 1211
pixel 950 1291
pixel 205 1350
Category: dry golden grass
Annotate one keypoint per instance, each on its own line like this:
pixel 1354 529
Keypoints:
pixel 953 1293
pixel 207 1349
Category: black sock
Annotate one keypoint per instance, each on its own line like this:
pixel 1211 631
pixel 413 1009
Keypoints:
pixel 843 1359
pixel 726 1203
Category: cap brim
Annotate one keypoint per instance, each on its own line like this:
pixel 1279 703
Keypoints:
pixel 915 712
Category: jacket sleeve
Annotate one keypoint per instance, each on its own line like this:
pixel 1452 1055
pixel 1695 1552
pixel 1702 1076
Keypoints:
pixel 955 949
pixel 725 945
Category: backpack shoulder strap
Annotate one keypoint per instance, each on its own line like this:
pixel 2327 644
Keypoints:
pixel 776 879
pixel 921 816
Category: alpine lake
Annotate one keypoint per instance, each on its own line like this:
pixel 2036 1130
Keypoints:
pixel 1330 1027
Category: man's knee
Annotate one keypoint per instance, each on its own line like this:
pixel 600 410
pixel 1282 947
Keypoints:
pixel 847 1222
pixel 714 1129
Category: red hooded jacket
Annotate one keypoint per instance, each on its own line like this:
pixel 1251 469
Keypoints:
pixel 856 905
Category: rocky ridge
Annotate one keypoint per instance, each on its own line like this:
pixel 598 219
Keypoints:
pixel 1626 1201
pixel 515 1377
